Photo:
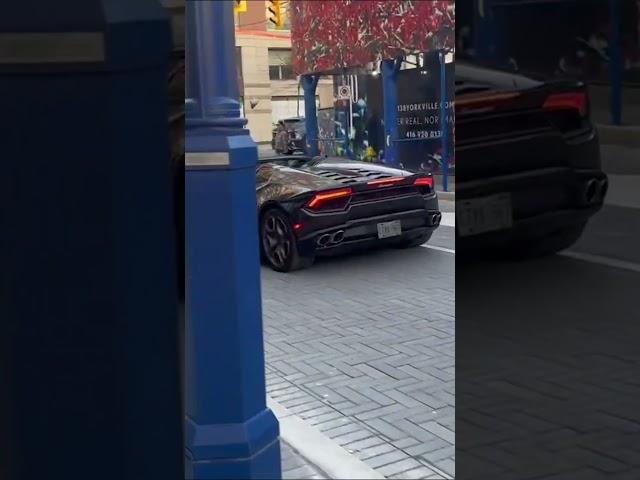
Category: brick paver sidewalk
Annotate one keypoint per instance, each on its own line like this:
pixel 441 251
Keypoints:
pixel 362 347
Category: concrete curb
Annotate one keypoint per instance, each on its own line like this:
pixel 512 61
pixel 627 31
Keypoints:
pixel 446 195
pixel 626 135
pixel 318 449
pixel 620 159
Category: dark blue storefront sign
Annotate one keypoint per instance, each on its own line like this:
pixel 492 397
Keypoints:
pixel 422 120
pixel 419 113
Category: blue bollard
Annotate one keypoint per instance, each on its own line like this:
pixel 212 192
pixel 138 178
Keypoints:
pixel 390 69
pixel 444 124
pixel 229 431
pixel 309 84
pixel 484 28
pixel 88 302
pixel 616 61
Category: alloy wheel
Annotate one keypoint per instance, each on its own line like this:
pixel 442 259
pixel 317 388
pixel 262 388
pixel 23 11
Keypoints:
pixel 276 240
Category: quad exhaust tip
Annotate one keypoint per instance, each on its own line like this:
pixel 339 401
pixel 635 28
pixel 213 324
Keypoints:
pixel 331 238
pixel 435 218
pixel 592 191
pixel 595 190
pixel 337 237
pixel 604 187
pixel 324 240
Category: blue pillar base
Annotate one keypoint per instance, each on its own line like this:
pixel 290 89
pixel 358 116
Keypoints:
pixel 233 451
pixel 229 431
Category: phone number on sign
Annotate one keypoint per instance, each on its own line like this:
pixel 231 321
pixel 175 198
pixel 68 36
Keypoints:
pixel 423 134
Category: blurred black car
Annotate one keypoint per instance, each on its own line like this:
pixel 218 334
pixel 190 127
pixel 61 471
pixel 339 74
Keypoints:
pixel 529 175
pixel 295 139
pixel 324 206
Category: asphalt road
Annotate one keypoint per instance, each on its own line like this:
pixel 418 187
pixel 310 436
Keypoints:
pixel 444 236
pixel 547 355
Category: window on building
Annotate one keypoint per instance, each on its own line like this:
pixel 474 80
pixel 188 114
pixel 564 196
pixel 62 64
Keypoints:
pixel 280 67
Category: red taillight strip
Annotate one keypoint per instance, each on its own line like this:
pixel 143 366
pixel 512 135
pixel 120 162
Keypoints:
pixel 385 182
pixel 483 100
pixel 319 198
pixel 567 101
pixel 423 182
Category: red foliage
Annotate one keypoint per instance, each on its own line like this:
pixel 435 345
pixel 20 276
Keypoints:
pixel 332 34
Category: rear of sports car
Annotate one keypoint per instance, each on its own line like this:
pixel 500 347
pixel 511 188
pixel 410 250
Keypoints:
pixel 529 173
pixel 400 211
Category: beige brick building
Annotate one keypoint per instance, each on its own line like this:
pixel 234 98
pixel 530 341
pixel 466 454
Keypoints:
pixel 269 89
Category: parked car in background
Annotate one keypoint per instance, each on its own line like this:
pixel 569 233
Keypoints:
pixel 295 139
pixel 309 207
pixel 529 175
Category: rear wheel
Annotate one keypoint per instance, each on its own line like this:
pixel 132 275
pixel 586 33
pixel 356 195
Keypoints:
pixel 279 245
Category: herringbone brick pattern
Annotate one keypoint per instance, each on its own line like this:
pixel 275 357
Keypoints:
pixel 362 347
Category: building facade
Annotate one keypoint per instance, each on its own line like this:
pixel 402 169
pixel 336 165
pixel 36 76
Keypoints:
pixel 269 89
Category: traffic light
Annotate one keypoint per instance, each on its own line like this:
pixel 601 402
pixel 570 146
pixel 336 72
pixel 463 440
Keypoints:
pixel 240 6
pixel 275 14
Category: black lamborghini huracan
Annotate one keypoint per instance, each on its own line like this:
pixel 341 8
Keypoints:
pixel 323 206
pixel 528 175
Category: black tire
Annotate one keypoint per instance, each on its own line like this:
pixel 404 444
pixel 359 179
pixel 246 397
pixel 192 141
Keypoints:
pixel 278 244
pixel 549 245
pixel 416 241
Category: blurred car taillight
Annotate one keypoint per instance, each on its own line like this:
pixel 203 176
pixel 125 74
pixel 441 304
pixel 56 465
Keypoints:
pixel 423 182
pixel 330 199
pixel 567 111
pixel 385 182
pixel 576 101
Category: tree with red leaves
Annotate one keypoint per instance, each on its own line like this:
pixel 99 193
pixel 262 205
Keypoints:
pixel 331 35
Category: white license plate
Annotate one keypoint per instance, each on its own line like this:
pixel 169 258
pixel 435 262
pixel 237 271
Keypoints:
pixel 389 229
pixel 486 214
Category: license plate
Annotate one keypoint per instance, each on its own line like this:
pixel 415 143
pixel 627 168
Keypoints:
pixel 389 229
pixel 487 214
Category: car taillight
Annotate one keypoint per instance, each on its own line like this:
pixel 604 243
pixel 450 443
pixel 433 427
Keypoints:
pixel 330 199
pixel 385 182
pixel 567 101
pixel 484 101
pixel 424 182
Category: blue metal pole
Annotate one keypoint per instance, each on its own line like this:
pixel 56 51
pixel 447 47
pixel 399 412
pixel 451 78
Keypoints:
pixel 89 361
pixel 444 124
pixel 230 433
pixel 390 69
pixel 484 31
pixel 309 85
pixel 615 61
